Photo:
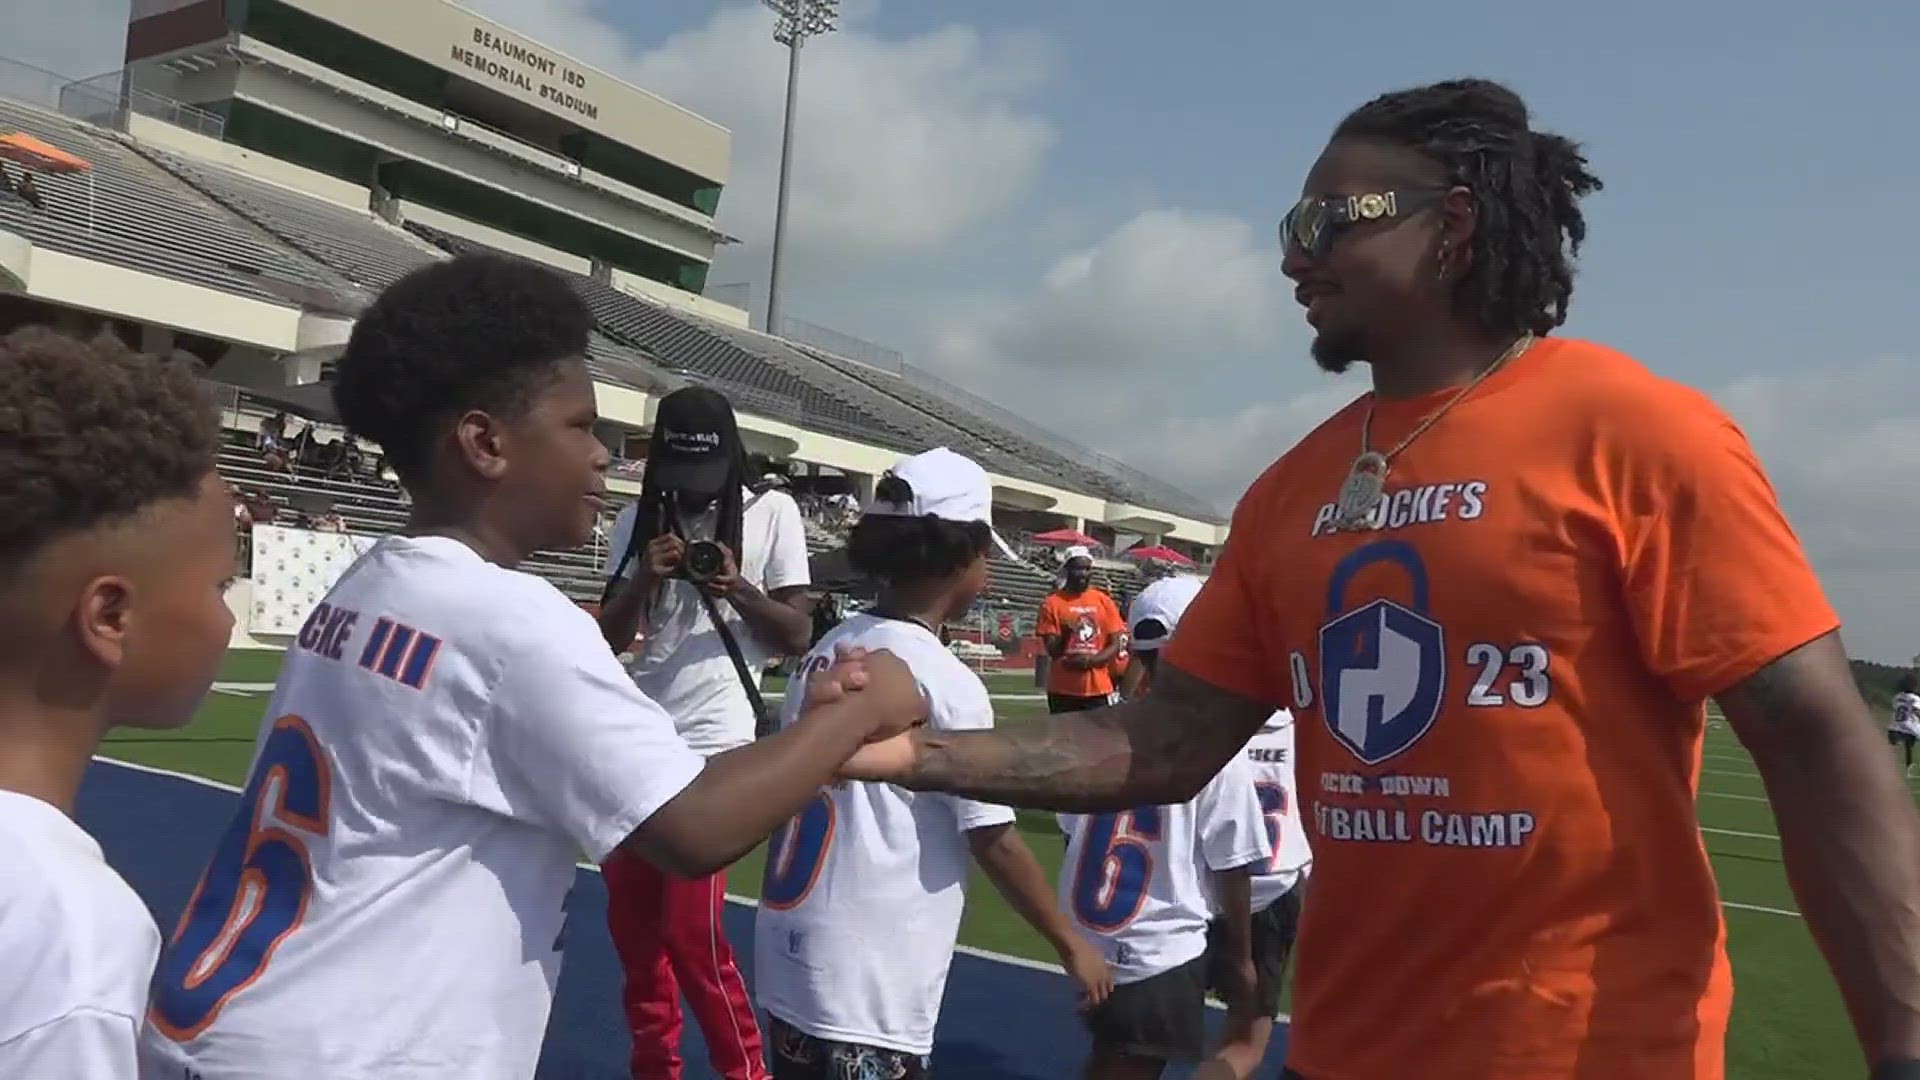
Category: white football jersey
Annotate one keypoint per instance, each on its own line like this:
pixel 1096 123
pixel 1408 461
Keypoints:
pixel 446 739
pixel 1906 714
pixel 1270 753
pixel 77 948
pixel 1139 882
pixel 864 889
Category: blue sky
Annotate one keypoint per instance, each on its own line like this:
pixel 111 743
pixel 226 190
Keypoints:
pixel 1069 207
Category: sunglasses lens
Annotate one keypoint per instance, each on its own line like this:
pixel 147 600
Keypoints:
pixel 1300 228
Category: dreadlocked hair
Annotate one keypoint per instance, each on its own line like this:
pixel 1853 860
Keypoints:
pixel 1527 187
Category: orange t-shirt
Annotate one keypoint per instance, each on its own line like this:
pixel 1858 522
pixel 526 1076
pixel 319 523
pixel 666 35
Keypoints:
pixel 1088 621
pixel 1500 690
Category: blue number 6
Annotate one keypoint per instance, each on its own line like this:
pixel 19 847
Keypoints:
pixel 255 890
pixel 1110 880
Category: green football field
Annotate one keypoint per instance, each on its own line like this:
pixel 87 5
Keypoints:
pixel 1788 1021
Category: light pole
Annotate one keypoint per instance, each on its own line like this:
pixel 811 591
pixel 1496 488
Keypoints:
pixel 799 20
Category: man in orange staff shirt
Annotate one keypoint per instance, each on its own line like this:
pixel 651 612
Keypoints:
pixel 1497 593
pixel 1084 634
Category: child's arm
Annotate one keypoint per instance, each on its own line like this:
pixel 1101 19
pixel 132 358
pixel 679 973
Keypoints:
pixel 1244 1042
pixel 1234 888
pixel 1235 844
pixel 1017 876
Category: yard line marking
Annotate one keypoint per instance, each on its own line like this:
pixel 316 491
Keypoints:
pixel 1762 910
pixel 1740 798
pixel 1737 832
pixel 983 954
pixel 1729 773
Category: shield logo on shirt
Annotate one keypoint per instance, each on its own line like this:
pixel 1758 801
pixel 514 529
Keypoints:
pixel 1383 665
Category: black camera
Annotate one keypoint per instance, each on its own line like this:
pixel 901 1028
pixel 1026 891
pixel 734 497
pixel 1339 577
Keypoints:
pixel 703 561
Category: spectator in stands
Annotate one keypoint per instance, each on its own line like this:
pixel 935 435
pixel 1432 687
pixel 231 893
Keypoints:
pixel 666 929
pixel 353 459
pixel 243 532
pixel 30 191
pixel 300 446
pixel 1083 632
pixel 330 522
pixel 261 509
pixel 273 431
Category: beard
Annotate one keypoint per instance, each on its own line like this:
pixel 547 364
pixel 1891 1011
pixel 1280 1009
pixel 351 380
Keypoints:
pixel 1335 352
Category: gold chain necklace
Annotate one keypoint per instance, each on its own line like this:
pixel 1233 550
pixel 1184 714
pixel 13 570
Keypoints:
pixel 1366 484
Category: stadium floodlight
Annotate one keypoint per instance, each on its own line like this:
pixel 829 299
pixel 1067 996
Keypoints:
pixel 799 20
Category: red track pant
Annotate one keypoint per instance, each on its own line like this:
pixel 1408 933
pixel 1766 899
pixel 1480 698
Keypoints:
pixel 667 931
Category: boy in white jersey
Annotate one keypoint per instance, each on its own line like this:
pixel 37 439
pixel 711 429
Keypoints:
pixel 1143 884
pixel 1148 883
pixel 450 735
pixel 864 889
pixel 1903 728
pixel 1279 883
pixel 116 544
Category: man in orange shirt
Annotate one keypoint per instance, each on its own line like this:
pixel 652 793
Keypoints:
pixel 1084 634
pixel 1498 627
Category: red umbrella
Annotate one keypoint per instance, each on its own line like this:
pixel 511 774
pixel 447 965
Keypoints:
pixel 1159 553
pixel 1065 537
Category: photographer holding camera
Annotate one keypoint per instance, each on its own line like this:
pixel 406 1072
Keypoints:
pixel 713 579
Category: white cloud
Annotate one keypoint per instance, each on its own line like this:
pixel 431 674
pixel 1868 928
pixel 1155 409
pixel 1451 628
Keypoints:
pixel 1842 445
pixel 1133 344
pixel 1219 456
pixel 903 143
pixel 1166 284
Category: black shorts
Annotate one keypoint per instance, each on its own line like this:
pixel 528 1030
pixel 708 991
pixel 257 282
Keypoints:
pixel 1894 738
pixel 1274 929
pixel 1162 1016
pixel 800 1056
pixel 1059 703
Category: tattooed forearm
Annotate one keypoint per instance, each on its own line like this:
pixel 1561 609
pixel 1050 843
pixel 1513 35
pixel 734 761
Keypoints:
pixel 1161 749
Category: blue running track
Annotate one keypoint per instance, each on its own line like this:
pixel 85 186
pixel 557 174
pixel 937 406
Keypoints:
pixel 1000 1020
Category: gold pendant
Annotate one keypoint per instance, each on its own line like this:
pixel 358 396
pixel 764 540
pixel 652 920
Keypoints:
pixel 1361 492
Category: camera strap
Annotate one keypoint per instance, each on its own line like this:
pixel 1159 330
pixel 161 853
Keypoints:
pixel 762 722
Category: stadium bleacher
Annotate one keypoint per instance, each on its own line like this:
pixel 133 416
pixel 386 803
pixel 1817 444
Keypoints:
pixel 129 212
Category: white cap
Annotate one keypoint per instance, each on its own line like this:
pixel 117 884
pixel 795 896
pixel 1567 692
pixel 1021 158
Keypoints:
pixel 1163 601
pixel 1075 552
pixel 947 485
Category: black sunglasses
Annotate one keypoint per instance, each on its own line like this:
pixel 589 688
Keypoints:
pixel 1315 222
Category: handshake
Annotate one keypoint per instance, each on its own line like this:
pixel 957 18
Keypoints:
pixel 876 691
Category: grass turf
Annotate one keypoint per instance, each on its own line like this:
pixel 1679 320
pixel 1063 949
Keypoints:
pixel 1788 1019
